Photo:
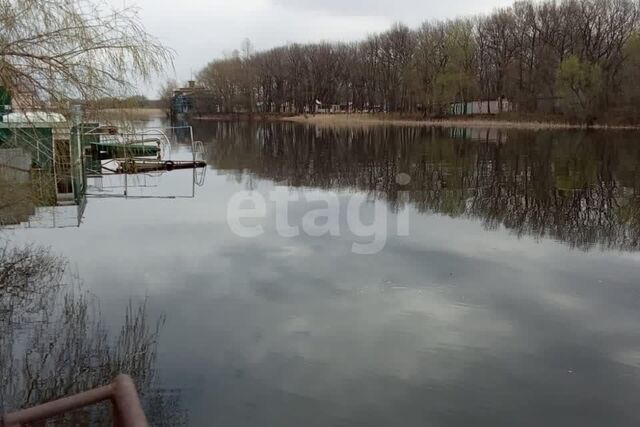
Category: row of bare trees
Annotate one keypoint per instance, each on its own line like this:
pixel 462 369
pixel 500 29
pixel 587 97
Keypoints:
pixel 574 56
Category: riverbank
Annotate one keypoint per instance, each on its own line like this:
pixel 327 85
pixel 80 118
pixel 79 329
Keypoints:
pixel 241 117
pixel 130 113
pixel 504 122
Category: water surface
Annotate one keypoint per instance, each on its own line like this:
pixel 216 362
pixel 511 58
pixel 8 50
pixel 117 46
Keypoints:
pixel 513 300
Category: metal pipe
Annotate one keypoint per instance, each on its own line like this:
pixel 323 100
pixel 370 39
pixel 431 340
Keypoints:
pixel 127 410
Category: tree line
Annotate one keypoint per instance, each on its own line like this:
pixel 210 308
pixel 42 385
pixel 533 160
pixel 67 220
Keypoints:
pixel 576 57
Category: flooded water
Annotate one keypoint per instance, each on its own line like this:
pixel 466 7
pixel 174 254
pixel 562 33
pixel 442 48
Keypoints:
pixel 486 277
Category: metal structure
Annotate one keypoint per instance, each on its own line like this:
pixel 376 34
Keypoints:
pixel 72 161
pixel 56 172
pixel 127 410
pixel 125 174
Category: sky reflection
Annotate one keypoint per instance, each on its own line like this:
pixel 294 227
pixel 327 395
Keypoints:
pixel 457 323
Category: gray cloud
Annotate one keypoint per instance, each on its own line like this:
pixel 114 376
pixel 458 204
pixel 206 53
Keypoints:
pixel 409 11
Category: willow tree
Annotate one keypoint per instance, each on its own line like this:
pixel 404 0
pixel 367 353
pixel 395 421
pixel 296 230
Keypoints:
pixel 53 51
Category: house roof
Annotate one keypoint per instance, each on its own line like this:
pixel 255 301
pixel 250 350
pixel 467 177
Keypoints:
pixel 33 118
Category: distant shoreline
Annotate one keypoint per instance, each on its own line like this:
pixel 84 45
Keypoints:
pixel 505 121
pixel 359 120
pixel 132 113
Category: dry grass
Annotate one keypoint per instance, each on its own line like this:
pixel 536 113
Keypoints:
pixel 359 120
pixel 130 113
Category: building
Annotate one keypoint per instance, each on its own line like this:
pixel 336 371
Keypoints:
pixel 481 107
pixel 192 99
pixel 41 165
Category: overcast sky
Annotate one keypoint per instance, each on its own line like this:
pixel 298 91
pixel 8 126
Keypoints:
pixel 201 30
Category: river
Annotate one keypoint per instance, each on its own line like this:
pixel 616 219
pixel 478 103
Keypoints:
pixel 380 276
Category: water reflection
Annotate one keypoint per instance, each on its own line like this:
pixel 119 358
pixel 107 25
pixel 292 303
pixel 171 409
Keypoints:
pixel 53 342
pixel 46 184
pixel 450 324
pixel 577 187
pixel 28 197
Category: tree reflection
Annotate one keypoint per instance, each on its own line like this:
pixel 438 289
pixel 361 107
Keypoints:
pixel 53 342
pixel 577 187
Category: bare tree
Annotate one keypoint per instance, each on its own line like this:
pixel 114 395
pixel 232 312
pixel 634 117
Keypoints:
pixel 166 91
pixel 514 52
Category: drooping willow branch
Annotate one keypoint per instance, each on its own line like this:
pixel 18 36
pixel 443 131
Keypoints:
pixel 53 51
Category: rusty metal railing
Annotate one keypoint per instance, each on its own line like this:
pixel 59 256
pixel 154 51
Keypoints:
pixel 127 411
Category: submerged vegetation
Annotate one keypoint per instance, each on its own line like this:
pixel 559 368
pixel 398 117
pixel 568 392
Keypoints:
pixel 577 58
pixel 53 342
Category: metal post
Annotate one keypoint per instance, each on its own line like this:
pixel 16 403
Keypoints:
pixel 193 153
pixel 76 117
